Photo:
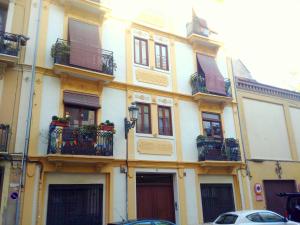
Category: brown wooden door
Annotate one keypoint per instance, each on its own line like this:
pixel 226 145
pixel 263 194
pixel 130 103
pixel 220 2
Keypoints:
pixel 155 197
pixel 274 187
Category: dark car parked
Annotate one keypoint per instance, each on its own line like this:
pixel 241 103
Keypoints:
pixel 292 206
pixel 143 222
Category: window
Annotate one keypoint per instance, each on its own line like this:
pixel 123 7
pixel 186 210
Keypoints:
pixel 141 51
pixel 268 217
pixel 3 15
pixel 255 217
pixel 143 122
pixel 80 116
pixel 212 125
pixel 161 56
pixel 227 219
pixel 164 120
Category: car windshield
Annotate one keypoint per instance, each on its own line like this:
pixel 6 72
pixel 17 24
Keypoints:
pixel 227 219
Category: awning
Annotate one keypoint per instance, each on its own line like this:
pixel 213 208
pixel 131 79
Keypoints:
pixel 85 48
pixel 80 99
pixel 213 78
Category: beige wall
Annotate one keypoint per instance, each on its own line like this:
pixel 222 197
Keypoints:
pixel 266 130
pixel 295 117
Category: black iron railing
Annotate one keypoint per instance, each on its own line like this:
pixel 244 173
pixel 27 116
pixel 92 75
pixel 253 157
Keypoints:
pixel 10 43
pixel 69 140
pixel 61 51
pixel 4 137
pixel 218 149
pixel 199 85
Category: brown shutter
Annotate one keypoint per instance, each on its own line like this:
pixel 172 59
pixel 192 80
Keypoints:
pixel 85 50
pixel 213 78
pixel 86 100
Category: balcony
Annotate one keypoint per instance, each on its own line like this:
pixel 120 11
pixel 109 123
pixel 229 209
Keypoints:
pixel 211 149
pixel 199 35
pixel 102 70
pixel 200 92
pixel 4 137
pixel 86 140
pixel 10 45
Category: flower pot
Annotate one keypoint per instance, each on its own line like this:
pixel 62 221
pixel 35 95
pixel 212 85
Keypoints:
pixel 59 124
pixel 107 128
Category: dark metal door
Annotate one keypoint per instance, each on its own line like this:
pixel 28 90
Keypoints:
pixel 216 199
pixel 155 197
pixel 273 187
pixel 79 204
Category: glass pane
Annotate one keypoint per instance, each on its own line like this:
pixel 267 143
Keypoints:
pixel 161 126
pixel 144 52
pixel 207 128
pixel 160 112
pixel 255 217
pixel 216 126
pixel 146 123
pixel 88 117
pixel 73 113
pixel 227 219
pixel 137 50
pixel 210 116
pixel 139 120
pixel 271 217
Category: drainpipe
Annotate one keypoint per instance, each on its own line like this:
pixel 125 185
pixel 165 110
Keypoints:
pixel 28 119
pixel 242 142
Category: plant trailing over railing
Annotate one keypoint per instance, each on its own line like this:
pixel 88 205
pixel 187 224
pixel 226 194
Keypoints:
pixel 198 84
pixel 108 126
pixel 210 148
pixel 61 51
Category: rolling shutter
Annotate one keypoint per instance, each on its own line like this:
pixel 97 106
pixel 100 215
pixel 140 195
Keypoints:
pixel 86 100
pixel 85 48
pixel 213 78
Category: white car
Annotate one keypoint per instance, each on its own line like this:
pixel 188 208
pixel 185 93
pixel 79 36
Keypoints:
pixel 253 217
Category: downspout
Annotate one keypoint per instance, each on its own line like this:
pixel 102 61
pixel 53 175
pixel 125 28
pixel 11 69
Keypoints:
pixel 29 116
pixel 242 142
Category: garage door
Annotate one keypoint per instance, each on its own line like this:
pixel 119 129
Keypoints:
pixel 155 197
pixel 216 199
pixel 79 204
pixel 273 187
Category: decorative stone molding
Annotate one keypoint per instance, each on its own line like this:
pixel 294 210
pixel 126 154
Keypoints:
pixel 254 86
pixel 154 147
pixel 152 78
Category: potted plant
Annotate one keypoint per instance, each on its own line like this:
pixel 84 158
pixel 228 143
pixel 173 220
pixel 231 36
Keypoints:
pixel 88 132
pixel 60 121
pixel 60 51
pixel 232 149
pixel 107 126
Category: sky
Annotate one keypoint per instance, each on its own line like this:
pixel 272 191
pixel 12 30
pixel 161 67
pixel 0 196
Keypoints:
pixel 264 34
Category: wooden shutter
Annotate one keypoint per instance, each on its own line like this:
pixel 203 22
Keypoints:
pixel 85 48
pixel 80 99
pixel 213 78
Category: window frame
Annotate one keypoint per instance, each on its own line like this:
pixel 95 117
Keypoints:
pixel 169 108
pixel 140 50
pixel 80 108
pixel 213 121
pixel 161 58
pixel 142 131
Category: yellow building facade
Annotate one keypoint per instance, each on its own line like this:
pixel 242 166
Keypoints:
pixel 269 118
pixel 184 153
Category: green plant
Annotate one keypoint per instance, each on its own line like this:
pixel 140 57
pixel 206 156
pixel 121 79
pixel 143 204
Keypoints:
pixel 60 49
pixel 87 129
pixel 61 119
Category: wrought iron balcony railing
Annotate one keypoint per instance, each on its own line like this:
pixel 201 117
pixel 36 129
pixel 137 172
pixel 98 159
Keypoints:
pixel 61 51
pixel 195 28
pixel 199 85
pixel 10 43
pixel 218 149
pixel 4 137
pixel 74 141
